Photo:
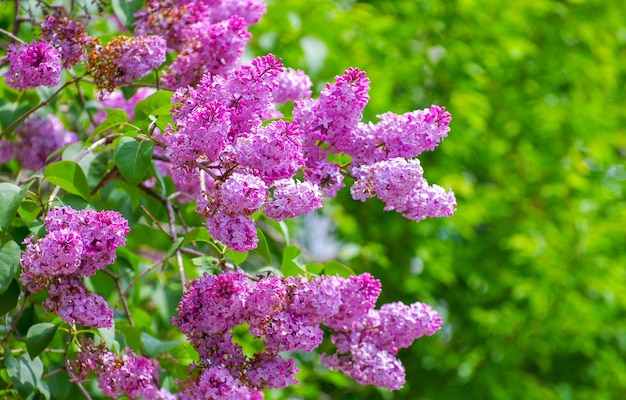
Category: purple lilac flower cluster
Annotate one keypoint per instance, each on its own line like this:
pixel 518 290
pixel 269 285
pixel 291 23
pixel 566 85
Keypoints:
pixel 118 374
pixel 287 315
pixel 222 138
pixel 124 59
pixel 67 35
pixel 35 140
pixel 77 244
pixel 32 65
pixel 209 36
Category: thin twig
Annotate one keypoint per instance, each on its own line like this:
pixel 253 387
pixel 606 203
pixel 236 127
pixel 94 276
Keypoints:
pixel 141 275
pixel 12 36
pixel 42 104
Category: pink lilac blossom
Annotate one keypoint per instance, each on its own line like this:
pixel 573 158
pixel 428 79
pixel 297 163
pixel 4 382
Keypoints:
pixel 292 85
pixel 78 243
pixel 209 48
pixel 287 314
pixel 406 135
pixel 237 232
pixel 242 194
pixel 400 184
pixel 70 300
pixel 32 65
pixel 130 375
pixel 37 138
pixel 273 151
pixel 292 198
pixel 67 35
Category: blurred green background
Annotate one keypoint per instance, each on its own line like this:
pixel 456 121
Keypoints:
pixel 530 274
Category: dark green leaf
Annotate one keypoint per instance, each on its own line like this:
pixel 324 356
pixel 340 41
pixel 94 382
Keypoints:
pixel 155 346
pixel 69 176
pixel 39 337
pixel 133 158
pixel 10 197
pixel 262 248
pixel 8 299
pixel 9 260
pixel 125 10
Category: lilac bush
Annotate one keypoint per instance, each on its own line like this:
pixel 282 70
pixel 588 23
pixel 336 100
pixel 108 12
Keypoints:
pixel 178 136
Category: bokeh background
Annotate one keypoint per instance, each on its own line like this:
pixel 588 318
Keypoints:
pixel 530 274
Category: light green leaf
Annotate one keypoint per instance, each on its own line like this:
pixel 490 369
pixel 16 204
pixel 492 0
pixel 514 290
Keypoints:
pixel 24 372
pixel 9 260
pixel 133 158
pixel 236 256
pixel 337 268
pixel 115 118
pixel 154 346
pixel 289 265
pixel 10 197
pixel 69 176
pixel 39 337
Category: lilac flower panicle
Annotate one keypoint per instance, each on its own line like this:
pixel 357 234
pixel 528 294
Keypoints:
pixel 67 35
pixel 32 65
pixel 242 194
pixel 37 138
pixel 237 232
pixel 400 184
pixel 69 299
pixel 292 198
pixel 78 243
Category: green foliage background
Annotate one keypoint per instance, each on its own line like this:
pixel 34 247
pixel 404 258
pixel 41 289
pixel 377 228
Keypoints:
pixel 530 274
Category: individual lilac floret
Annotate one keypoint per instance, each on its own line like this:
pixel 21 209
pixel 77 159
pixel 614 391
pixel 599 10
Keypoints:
pixel 70 300
pixel 293 84
pixel 67 35
pixel 406 135
pixel 237 232
pixel 292 198
pixel 242 194
pixel 401 185
pixel 32 65
pixel 37 138
pixel 273 151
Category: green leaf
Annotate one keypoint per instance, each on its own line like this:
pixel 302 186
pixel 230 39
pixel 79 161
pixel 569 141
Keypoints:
pixel 314 268
pixel 9 112
pixel 24 372
pixel 115 118
pixel 8 299
pixel 155 346
pixel 39 337
pixel 125 10
pixel 108 335
pixel 133 158
pixel 156 104
pixel 262 248
pixel 69 176
pixel 236 256
pixel 9 260
pixel 10 197
pixel 175 246
pixel 289 267
pixel 337 268
pixel 199 234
